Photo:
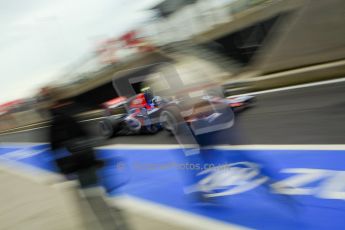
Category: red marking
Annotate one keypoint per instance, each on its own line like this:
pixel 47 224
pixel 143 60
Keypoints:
pixel 114 101
pixel 236 104
pixel 139 102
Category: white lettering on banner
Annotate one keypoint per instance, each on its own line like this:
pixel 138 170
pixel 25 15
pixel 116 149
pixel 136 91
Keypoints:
pixel 334 187
pixel 240 177
pixel 231 178
pixel 296 184
pixel 330 183
pixel 23 153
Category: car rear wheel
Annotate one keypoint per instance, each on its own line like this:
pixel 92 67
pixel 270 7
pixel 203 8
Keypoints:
pixel 106 128
pixel 152 129
pixel 170 119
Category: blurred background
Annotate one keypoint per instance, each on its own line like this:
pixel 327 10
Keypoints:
pixel 279 64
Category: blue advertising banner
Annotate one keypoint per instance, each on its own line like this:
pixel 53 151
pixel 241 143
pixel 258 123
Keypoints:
pixel 257 188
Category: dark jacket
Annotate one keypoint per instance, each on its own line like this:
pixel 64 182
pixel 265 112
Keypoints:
pixel 65 129
pixel 67 133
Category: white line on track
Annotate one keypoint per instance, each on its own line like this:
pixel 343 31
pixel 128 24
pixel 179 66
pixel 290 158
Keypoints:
pixel 144 146
pixel 229 147
pixel 93 119
pixel 281 147
pixel 177 146
pixel 43 127
pixel 21 144
pixel 319 83
pixel 22 131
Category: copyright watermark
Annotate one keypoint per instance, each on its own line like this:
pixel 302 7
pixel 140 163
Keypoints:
pixel 168 166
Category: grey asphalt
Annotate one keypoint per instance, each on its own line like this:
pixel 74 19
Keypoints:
pixel 312 115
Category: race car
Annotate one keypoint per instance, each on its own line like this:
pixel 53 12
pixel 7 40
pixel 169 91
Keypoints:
pixel 148 114
pixel 241 102
pixel 237 103
pixel 139 115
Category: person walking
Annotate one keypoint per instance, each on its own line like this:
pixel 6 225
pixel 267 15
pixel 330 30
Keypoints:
pixel 76 159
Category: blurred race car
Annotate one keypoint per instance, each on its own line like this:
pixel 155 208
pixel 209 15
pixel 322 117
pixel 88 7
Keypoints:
pixel 139 115
pixel 239 103
pixel 148 114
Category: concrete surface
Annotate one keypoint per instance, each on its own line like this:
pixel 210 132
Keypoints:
pixel 28 205
pixel 31 206
pixel 311 35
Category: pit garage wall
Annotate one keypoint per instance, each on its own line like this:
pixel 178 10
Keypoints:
pixel 18 119
pixel 245 43
pixel 93 99
pixel 313 34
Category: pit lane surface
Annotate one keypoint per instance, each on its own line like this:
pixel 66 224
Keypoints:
pixel 311 115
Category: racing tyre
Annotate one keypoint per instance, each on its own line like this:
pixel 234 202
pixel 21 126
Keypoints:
pixel 170 119
pixel 106 128
pixel 152 129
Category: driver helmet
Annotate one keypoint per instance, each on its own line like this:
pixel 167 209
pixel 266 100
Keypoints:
pixel 148 94
pixel 157 100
